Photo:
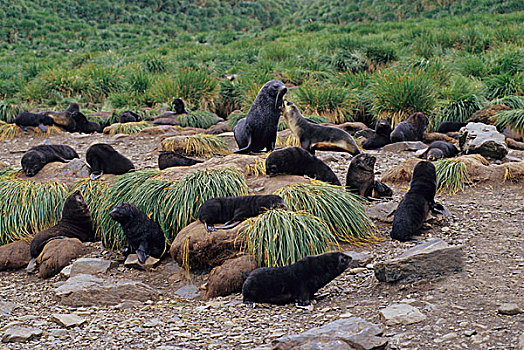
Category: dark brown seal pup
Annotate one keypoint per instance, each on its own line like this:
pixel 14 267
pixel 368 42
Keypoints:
pixel 411 129
pixel 360 178
pixel 380 137
pixel 25 119
pixel 144 236
pixel 178 106
pixel 416 203
pixel 297 161
pixel 171 159
pixel 37 157
pixel 233 210
pixel 171 117
pixel 440 149
pixel 260 129
pixel 314 136
pixel 294 283
pixel 450 126
pixel 240 134
pixel 104 159
pixel 129 117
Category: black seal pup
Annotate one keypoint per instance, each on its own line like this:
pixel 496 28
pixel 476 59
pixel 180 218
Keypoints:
pixel 37 157
pixel 314 136
pixel 380 137
pixel 171 159
pixel 144 236
pixel 233 210
pixel 262 119
pixel 178 106
pixel 76 222
pixel 297 161
pixel 416 203
pixel 25 119
pixel 129 117
pixel 104 159
pixel 450 126
pixel 440 149
pixel 360 178
pixel 294 283
pixel 411 129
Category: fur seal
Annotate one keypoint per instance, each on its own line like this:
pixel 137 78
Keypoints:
pixel 381 136
pixel 297 161
pixel 416 203
pixel 233 210
pixel 144 236
pixel 104 159
pixel 76 222
pixel 37 157
pixel 73 120
pixel 314 136
pixel 294 283
pixel 410 129
pixel 440 149
pixel 129 117
pixel 171 159
pixel 260 128
pixel 360 178
pixel 171 117
pixel 25 119
pixel 240 134
pixel 178 106
pixel 450 126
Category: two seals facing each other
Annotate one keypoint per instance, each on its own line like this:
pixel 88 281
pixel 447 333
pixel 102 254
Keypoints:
pixel 360 178
pixel 168 159
pixel 25 119
pixel 297 161
pixel 440 149
pixel 412 129
pixel 314 136
pixel 380 137
pixel 294 283
pixel 233 210
pixel 37 157
pixel 259 130
pixel 104 159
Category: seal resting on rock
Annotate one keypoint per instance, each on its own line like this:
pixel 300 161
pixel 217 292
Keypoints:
pixel 170 117
pixel 314 136
pixel 129 117
pixel 297 161
pixel 381 136
pixel 450 126
pixel 411 129
pixel 104 159
pixel 37 157
pixel 294 283
pixel 260 128
pixel 25 119
pixel 144 236
pixel 233 210
pixel 360 178
pixel 440 149
pixel 170 159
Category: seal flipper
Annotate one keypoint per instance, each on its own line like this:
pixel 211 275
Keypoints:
pixel 94 176
pixel 249 142
pixel 31 267
pixel 210 228
pixel 229 224
pixel 23 128
pixel 42 127
pixel 440 209
pixel 141 252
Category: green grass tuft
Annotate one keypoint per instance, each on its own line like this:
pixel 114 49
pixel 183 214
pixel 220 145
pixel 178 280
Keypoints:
pixel 128 128
pixel 198 119
pixel 452 175
pixel 513 119
pixel 200 145
pixel 8 131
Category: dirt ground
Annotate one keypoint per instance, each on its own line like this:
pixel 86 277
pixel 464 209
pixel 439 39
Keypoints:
pixel 461 309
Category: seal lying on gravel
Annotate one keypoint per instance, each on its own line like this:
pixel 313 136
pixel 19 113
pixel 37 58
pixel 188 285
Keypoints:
pixel 440 149
pixel 233 210
pixel 381 136
pixel 144 236
pixel 296 161
pixel 103 159
pixel 25 119
pixel 294 283
pixel 37 157
pixel 129 117
pixel 315 136
pixel 450 126
pixel 411 129
pixel 170 159
pixel 360 178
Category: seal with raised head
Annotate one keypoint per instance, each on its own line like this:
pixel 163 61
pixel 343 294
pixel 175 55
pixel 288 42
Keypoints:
pixel 450 126
pixel 144 236
pixel 314 136
pixel 380 137
pixel 411 129
pixel 129 117
pixel 360 178
pixel 25 119
pixel 104 159
pixel 261 126
pixel 294 283
pixel 416 203
pixel 233 210
pixel 440 149
pixel 297 161
pixel 37 157
pixel 168 159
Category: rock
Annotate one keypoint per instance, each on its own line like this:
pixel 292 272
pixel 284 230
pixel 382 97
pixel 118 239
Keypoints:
pixel 57 332
pixel 366 133
pixel 351 127
pixel 14 255
pixel 229 277
pixel 401 173
pixel 401 314
pixel 19 334
pixel 57 254
pixel 164 130
pixel 436 136
pixel 189 291
pixel 382 211
pixel 482 139
pixel 521 342
pixel 68 320
pixel 488 115
pixel 509 309
pixel 404 146
pixel 78 168
pixel 359 259
pixel 6 308
pixel 132 262
pixel 268 185
pixel 66 271
pixel 514 144
pixel 90 266
pixel 87 290
pixel 219 128
pixel 428 260
pixel 347 333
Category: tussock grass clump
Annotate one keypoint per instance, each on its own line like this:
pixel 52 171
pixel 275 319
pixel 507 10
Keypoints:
pixel 94 193
pixel 452 175
pixel 513 119
pixel 8 131
pixel 233 118
pixel 200 145
pixel 513 102
pixel 8 112
pixel 331 102
pixel 289 141
pixel 258 168
pixel 127 128
pixel 279 237
pixel 341 210
pixel 198 119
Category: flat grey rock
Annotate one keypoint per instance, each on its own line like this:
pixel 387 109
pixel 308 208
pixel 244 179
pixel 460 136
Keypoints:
pixel 132 262
pixel 521 342
pixel 483 139
pixel 6 308
pixel 509 309
pixel 19 334
pixel 90 266
pixel 401 314
pixel 382 211
pixel 359 259
pixel 189 291
pixel 78 167
pixel 405 146
pixel 68 320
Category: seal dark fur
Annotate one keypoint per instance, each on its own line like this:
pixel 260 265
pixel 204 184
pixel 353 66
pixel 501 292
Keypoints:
pixel 129 117
pixel 240 134
pixel 144 236
pixel 411 129
pixel 360 178
pixel 294 283
pixel 37 157
pixel 297 161
pixel 233 210
pixel 381 137
pixel 25 119
pixel 172 159
pixel 440 149
pixel 261 125
pixel 178 106
pixel 450 126
pixel 73 120
pixel 416 203
pixel 104 159
pixel 313 136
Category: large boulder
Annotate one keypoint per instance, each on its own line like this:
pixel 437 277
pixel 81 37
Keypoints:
pixel 72 171
pixel 229 277
pixel 483 139
pixel 404 146
pixel 401 173
pixel 57 254
pixel 488 115
pixel 14 255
